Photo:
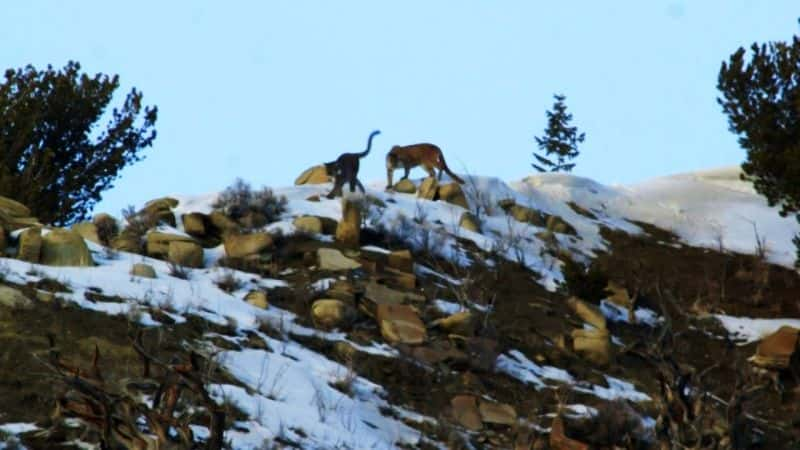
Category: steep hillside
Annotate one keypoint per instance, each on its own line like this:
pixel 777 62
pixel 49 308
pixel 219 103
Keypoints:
pixel 550 313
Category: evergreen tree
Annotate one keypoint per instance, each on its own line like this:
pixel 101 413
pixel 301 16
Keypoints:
pixel 761 97
pixel 559 139
pixel 54 155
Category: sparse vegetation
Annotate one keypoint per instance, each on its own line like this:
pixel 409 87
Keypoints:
pixel 586 283
pixel 251 209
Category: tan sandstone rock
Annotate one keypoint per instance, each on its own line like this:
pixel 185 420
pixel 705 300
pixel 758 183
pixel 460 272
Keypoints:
pixel 143 270
pixel 776 350
pixel 348 232
pixel 313 175
pixel 333 260
pixel 400 324
pixel 30 245
pixel 428 188
pixel 88 231
pixel 330 313
pixel 185 253
pixel 452 193
pixel 61 247
pixel 257 299
pixel 405 187
pixel 465 412
pixel 308 224
pixel 244 245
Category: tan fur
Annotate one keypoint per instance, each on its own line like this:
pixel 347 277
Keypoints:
pixel 407 157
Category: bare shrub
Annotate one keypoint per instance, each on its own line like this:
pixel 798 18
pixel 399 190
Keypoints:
pixel 253 209
pixel 178 271
pixel 107 228
pixel 228 282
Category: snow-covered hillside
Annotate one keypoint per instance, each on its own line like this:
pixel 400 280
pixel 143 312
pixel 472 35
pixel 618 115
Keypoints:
pixel 287 391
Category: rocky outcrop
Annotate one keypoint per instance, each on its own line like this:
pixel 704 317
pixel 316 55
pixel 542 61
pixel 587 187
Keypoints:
pixel 14 215
pixel 194 224
pixel 313 175
pixel 29 247
pixel 328 314
pixel 334 261
pixel 400 324
pixel 143 270
pixel 405 186
pixel 160 211
pixel 88 231
pixel 14 299
pixel 158 242
pixel 245 245
pixel 348 232
pixel 590 314
pixel 593 344
pixel 427 190
pixel 452 193
pixel 308 224
pixel 777 350
pixel 61 247
pixel 185 253
pixel 257 299
pixel 469 222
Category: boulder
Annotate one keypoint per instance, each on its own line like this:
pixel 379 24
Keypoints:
pixel 348 232
pixel 452 193
pixel 127 242
pixel 594 345
pixel 160 210
pixel 3 241
pixel 776 350
pixel 314 175
pixel 589 313
pixel 523 213
pixel 313 198
pixel 257 299
pixel 399 279
pixel 88 231
pixel 13 208
pixel 377 294
pixel 619 295
pixel 143 270
pixel 469 222
pixel 185 253
pixel 243 245
pixel 428 188
pixel 30 245
pixel 333 260
pixel 466 412
pixel 222 223
pixel 308 224
pixel 497 413
pixel 405 186
pixel 62 247
pixel 461 323
pixel 400 324
pixel 558 225
pixel 330 313
pixel 401 260
pixel 158 242
pixel 194 224
pixel 13 298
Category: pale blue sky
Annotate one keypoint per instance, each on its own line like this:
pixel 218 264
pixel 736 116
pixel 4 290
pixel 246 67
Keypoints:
pixel 264 89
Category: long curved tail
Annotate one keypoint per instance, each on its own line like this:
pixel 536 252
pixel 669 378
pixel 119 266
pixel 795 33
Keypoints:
pixel 369 143
pixel 447 170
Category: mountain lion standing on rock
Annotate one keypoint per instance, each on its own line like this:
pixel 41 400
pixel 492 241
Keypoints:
pixel 428 156
pixel 345 169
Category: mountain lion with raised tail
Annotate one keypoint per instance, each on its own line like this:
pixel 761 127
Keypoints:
pixel 407 157
pixel 345 169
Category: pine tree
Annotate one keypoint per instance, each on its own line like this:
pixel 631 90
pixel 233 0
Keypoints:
pixel 761 98
pixel 54 155
pixel 559 139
